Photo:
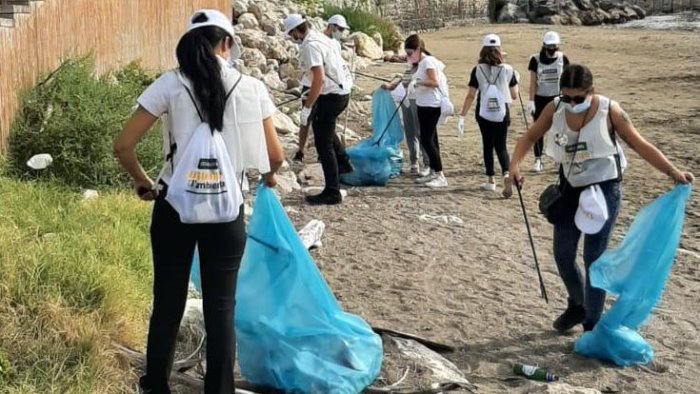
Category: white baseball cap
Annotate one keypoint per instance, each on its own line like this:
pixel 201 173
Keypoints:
pixel 292 21
pixel 218 19
pixel 491 40
pixel 592 212
pixel 551 38
pixel 338 20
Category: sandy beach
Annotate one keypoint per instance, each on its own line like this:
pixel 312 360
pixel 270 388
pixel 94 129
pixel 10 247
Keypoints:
pixel 474 285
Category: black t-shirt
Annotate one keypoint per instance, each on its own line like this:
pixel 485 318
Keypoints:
pixel 532 66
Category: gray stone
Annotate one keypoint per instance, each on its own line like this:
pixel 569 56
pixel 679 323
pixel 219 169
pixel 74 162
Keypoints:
pixel 271 28
pixel 366 47
pixel 511 13
pixel 584 5
pixel 248 21
pixel 253 58
pixel 284 124
pixel 288 71
pixel 256 9
pixel 256 73
pixel 641 14
pixel 287 183
pixel 273 81
pixel 293 83
pixel 275 49
pixel 239 8
pixel 252 38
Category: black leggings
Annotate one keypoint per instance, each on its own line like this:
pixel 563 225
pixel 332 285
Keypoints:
pixel 220 249
pixel 428 118
pixel 540 103
pixel 494 136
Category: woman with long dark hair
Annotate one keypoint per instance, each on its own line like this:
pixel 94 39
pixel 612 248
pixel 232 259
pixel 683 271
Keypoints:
pixel 425 86
pixel 497 86
pixel 203 89
pixel 583 130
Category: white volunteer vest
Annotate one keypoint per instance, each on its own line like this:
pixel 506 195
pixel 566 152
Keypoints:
pixel 548 76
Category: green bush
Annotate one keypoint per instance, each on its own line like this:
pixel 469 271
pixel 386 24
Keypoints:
pixel 75 117
pixel 368 23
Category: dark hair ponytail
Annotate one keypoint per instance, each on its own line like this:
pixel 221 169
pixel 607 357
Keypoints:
pixel 195 54
pixel 576 76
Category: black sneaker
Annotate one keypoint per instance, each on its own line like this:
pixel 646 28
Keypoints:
pixel 573 315
pixel 345 168
pixel 299 156
pixel 325 198
pixel 588 326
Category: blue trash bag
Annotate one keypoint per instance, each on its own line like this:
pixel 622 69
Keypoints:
pixel 292 335
pixel 636 273
pixel 377 159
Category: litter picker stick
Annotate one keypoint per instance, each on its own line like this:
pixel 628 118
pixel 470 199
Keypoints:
pixel 287 102
pixel 543 291
pixel 518 186
pixel 347 110
pixel 373 77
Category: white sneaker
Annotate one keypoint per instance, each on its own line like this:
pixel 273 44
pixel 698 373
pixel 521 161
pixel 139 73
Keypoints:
pixel 425 179
pixel 538 165
pixel 488 186
pixel 413 169
pixel 425 171
pixel 439 181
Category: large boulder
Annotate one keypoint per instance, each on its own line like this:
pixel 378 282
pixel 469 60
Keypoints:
pixel 546 9
pixel 276 50
pixel 271 27
pixel 252 38
pixel 273 81
pixel 585 5
pixel 240 7
pixel 511 13
pixel 641 14
pixel 248 21
pixel 253 58
pixel 288 71
pixel 257 9
pixel 366 47
pixel 284 124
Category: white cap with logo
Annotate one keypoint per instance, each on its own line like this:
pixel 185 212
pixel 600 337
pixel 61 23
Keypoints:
pixel 218 19
pixel 592 212
pixel 551 38
pixel 491 40
pixel 339 21
pixel 292 21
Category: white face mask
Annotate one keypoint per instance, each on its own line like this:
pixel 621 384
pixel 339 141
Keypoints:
pixel 578 108
pixel 337 35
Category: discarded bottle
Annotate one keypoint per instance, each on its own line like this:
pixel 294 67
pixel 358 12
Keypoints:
pixel 40 161
pixel 534 373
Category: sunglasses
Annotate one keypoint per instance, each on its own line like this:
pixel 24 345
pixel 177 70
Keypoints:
pixel 573 99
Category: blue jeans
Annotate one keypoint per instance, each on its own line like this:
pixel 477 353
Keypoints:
pixel 566 237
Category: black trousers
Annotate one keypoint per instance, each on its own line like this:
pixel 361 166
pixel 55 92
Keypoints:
pixel 220 249
pixel 428 118
pixel 494 136
pixel 328 146
pixel 540 103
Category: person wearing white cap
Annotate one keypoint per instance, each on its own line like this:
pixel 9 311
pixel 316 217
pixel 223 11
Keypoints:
pixel 202 92
pixel 545 70
pixel 327 98
pixel 583 130
pixel 336 29
pixel 494 85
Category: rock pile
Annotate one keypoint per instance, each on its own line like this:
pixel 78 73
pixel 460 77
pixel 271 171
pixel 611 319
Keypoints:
pixel 567 12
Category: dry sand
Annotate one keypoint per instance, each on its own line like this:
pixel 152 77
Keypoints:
pixel 475 285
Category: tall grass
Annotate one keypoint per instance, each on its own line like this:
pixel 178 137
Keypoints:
pixel 74 279
pixel 368 23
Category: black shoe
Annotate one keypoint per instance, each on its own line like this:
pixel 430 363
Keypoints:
pixel 325 198
pixel 588 326
pixel 345 168
pixel 299 156
pixel 573 315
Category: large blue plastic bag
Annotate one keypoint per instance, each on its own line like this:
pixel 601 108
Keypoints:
pixel 636 272
pixel 291 333
pixel 377 159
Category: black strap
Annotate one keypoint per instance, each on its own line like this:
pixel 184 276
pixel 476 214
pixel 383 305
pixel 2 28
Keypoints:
pixel 487 78
pixel 173 146
pixel 613 138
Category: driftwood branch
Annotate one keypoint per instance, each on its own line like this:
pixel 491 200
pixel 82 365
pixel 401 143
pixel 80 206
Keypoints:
pixel 438 347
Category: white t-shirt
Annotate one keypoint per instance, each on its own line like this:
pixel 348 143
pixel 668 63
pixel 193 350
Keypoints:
pixel 428 96
pixel 318 50
pixel 243 132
